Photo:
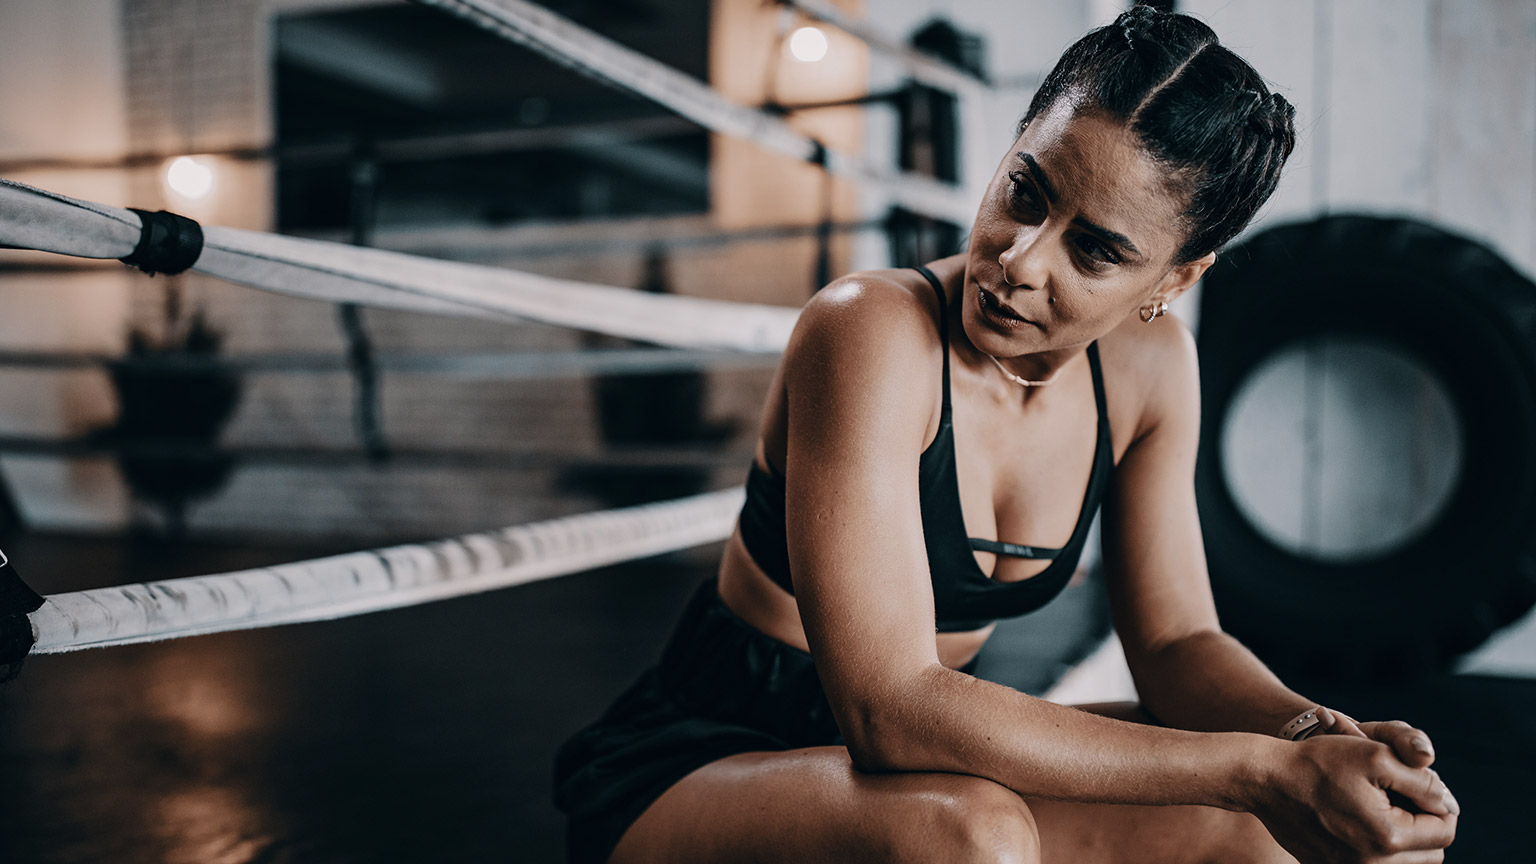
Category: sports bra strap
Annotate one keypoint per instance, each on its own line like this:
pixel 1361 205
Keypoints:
pixel 1098 385
pixel 938 289
pixel 1013 550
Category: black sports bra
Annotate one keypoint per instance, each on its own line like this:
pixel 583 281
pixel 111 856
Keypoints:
pixel 964 597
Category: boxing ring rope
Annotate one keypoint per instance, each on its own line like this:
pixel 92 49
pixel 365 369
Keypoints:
pixel 583 51
pixel 31 218
pixel 372 581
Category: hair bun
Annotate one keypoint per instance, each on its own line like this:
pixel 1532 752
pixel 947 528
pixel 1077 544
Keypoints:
pixel 1137 21
pixel 1139 15
pixel 1250 102
pixel 1265 112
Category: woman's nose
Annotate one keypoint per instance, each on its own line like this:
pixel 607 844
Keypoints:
pixel 1023 260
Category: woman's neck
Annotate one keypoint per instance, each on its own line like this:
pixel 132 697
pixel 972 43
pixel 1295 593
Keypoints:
pixel 1043 370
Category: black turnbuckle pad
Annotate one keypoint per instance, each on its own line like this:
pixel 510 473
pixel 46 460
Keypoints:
pixel 16 601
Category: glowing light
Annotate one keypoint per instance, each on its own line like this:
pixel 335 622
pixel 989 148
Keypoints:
pixel 189 177
pixel 808 44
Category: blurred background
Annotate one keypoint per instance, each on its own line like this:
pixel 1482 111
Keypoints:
pixel 167 426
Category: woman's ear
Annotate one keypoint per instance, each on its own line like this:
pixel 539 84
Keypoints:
pixel 1183 277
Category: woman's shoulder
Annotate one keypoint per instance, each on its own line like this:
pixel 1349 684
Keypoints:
pixel 895 294
pixel 870 342
pixel 892 315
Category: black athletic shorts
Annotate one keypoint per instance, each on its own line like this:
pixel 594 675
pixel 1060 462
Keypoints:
pixel 721 688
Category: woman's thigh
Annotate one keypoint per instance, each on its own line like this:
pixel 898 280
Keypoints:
pixel 812 805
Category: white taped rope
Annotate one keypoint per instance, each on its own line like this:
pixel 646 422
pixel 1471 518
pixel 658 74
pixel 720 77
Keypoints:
pixel 921 67
pixel 581 50
pixel 336 273
pixel 362 582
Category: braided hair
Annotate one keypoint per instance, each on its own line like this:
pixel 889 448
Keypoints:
pixel 1199 110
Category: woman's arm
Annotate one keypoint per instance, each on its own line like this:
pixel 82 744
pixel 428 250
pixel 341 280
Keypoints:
pixel 1188 673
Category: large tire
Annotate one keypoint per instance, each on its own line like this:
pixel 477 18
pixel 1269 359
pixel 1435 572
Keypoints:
pixel 1470 319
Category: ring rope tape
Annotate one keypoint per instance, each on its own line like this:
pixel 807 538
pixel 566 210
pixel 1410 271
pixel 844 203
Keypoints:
pixel 371 581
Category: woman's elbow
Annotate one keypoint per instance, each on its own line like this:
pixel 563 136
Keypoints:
pixel 876 742
pixel 886 733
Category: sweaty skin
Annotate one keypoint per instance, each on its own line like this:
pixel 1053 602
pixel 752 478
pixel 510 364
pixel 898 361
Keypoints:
pixel 1074 238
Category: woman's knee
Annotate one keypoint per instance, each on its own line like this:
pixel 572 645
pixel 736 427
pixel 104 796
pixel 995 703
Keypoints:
pixel 965 819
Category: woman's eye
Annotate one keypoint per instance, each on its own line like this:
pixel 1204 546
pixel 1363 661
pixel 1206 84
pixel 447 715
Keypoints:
pixel 1026 202
pixel 1020 194
pixel 1097 253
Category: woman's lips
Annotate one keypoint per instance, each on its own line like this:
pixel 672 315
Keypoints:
pixel 999 312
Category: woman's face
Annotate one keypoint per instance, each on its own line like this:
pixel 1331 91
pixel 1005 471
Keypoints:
pixel 1077 231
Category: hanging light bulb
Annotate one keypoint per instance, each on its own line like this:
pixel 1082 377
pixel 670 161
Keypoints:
pixel 189 176
pixel 808 44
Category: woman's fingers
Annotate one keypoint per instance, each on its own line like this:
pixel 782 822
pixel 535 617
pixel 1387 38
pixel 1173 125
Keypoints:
pixel 1418 832
pixel 1335 722
pixel 1352 794
pixel 1411 745
pixel 1420 786
pixel 1404 836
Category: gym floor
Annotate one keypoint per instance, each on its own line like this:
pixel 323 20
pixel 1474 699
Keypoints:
pixel 426 734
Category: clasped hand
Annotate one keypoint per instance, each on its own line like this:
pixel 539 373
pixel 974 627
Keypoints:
pixel 1360 792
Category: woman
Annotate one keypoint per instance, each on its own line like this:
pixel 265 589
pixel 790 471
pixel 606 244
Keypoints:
pixel 807 710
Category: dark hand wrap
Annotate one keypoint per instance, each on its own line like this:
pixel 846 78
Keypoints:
pixel 16 600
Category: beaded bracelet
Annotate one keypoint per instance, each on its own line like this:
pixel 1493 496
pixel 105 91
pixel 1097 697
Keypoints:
pixel 1304 724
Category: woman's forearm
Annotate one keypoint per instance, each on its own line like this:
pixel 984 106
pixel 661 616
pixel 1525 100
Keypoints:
pixel 1209 682
pixel 948 721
